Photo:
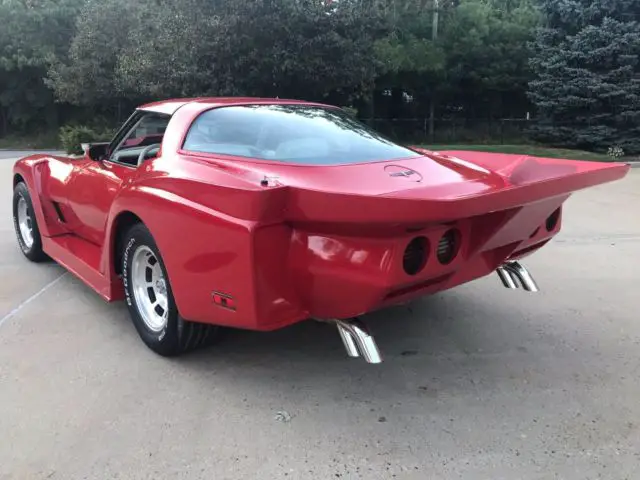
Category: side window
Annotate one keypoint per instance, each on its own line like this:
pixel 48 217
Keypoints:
pixel 147 131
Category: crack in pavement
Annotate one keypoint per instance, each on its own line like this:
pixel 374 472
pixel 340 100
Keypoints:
pixel 15 311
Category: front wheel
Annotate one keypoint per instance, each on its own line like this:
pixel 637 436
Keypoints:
pixel 25 224
pixel 150 299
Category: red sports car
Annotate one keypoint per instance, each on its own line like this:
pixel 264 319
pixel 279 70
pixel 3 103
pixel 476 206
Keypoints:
pixel 259 213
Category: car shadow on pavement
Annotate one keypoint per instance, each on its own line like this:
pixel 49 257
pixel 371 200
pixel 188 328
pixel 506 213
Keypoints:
pixel 433 347
pixel 400 331
pixel 475 340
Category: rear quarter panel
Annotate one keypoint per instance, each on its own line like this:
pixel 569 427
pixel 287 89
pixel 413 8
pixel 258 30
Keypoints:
pixel 215 233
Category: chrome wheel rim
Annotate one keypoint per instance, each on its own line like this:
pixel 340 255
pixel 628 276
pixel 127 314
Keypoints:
pixel 149 289
pixel 25 224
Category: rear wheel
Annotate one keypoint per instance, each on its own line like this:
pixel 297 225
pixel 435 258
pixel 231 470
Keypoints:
pixel 150 299
pixel 25 224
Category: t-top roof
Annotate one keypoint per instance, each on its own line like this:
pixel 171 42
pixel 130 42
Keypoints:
pixel 170 106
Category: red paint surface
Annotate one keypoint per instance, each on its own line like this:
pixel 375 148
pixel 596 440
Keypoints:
pixel 326 242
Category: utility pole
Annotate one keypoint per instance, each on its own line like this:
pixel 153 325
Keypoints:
pixel 434 32
pixel 434 38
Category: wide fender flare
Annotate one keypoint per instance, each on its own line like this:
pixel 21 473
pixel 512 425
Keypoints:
pixel 27 168
pixel 164 214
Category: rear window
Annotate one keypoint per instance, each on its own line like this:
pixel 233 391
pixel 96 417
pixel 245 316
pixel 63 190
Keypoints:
pixel 298 134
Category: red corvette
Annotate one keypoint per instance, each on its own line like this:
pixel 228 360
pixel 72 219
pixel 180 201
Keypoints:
pixel 259 213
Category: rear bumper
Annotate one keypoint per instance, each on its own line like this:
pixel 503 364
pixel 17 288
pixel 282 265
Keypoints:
pixel 343 277
pixel 293 274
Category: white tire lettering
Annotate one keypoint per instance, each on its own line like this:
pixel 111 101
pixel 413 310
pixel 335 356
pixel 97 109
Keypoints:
pixel 125 279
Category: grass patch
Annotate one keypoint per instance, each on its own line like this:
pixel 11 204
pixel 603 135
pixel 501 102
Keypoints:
pixel 34 141
pixel 531 150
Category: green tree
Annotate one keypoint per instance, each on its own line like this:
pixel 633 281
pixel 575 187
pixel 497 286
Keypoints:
pixel 412 58
pixel 87 75
pixel 170 51
pixel 34 33
pixel 151 49
pixel 587 74
pixel 487 56
pixel 471 58
pixel 294 49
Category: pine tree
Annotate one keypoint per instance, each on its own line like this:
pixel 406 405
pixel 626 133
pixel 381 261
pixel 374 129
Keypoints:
pixel 586 61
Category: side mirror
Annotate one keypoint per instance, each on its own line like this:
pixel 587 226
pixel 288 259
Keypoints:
pixel 95 151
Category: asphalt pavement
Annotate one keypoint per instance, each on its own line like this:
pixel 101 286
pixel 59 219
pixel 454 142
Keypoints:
pixel 478 382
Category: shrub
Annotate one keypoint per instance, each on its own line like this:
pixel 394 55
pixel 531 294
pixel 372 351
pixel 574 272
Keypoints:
pixel 351 110
pixel 615 152
pixel 72 136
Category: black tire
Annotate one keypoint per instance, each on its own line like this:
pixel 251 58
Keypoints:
pixel 178 335
pixel 33 252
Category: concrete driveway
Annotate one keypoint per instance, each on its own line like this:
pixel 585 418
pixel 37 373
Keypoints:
pixel 478 383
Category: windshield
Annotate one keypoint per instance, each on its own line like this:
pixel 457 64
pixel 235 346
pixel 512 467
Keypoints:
pixel 298 134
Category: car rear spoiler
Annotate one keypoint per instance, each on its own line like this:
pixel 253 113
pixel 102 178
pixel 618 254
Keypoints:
pixel 521 180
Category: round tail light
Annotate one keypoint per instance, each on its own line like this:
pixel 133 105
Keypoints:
pixel 415 255
pixel 448 246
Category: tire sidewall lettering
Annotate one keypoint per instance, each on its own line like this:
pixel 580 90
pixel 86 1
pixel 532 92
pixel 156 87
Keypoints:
pixel 125 271
pixel 128 251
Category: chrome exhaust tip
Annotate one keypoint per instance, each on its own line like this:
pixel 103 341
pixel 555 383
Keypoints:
pixel 358 341
pixel 513 275
pixel 506 278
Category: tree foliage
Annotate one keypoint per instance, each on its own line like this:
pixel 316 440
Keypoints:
pixel 33 34
pixel 587 74
pixel 62 59
pixel 177 48
pixel 475 62
pixel 487 62
pixel 86 75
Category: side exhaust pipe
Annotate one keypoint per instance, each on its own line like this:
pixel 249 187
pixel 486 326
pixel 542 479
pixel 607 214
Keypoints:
pixel 513 274
pixel 358 341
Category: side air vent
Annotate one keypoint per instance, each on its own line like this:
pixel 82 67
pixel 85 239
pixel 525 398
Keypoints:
pixel 56 206
pixel 415 255
pixel 448 246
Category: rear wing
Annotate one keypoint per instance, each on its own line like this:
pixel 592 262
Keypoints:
pixel 511 181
